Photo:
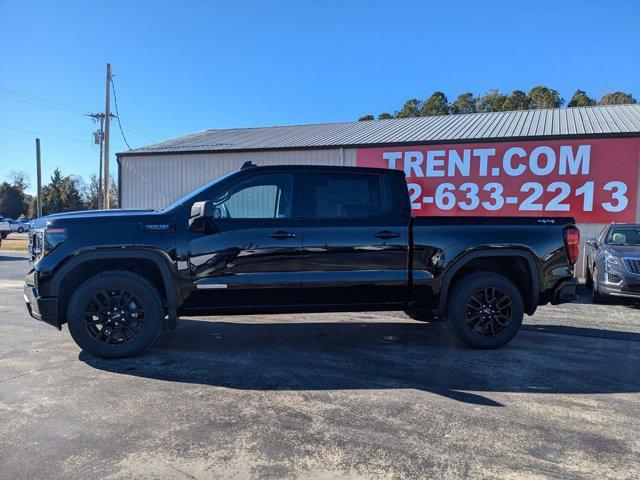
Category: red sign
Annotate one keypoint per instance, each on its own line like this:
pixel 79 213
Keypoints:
pixel 594 181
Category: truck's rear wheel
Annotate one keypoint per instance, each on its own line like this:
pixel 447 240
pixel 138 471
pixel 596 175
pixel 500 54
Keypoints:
pixel 115 314
pixel 485 310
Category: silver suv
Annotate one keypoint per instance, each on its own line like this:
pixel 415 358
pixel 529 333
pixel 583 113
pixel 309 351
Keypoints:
pixel 613 262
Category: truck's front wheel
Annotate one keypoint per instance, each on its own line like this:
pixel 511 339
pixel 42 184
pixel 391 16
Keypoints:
pixel 485 310
pixel 115 314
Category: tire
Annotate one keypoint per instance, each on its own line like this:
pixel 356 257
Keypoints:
pixel 20 229
pixel 589 282
pixel 476 323
pixel 420 314
pixel 4 235
pixel 119 334
pixel 596 296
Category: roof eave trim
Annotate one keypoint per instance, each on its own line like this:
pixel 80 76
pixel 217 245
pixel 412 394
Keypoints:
pixel 387 144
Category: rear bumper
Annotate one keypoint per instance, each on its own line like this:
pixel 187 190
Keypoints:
pixel 44 309
pixel 565 291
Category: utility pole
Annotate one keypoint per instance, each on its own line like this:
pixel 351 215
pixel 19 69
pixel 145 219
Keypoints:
pixel 100 168
pixel 98 139
pixel 107 120
pixel 39 176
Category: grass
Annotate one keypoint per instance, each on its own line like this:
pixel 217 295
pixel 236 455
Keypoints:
pixel 20 243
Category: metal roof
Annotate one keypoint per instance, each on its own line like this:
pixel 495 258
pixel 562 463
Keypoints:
pixel 555 122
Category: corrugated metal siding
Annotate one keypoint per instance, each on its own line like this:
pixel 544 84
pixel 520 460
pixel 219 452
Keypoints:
pixel 159 180
pixel 609 119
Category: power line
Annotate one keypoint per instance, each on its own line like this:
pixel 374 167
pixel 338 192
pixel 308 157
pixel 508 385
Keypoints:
pixel 115 102
pixel 42 99
pixel 53 107
pixel 141 133
pixel 143 129
pixel 42 133
pixel 45 102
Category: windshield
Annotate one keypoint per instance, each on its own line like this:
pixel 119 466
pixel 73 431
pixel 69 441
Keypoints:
pixel 624 236
pixel 197 192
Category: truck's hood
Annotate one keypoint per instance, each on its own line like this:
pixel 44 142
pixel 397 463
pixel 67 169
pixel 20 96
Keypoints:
pixel 99 216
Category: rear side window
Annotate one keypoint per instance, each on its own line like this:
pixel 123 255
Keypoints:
pixel 340 195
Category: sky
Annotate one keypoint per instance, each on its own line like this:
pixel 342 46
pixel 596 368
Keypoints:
pixel 186 66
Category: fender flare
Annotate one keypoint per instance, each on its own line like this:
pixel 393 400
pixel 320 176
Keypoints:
pixel 157 257
pixel 492 252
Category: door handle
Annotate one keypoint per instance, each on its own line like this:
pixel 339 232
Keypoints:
pixel 385 234
pixel 281 234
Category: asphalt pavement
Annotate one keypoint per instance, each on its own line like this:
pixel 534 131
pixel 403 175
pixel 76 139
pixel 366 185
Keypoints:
pixel 344 395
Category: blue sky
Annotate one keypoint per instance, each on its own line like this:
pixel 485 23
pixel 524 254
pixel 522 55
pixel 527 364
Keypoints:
pixel 183 67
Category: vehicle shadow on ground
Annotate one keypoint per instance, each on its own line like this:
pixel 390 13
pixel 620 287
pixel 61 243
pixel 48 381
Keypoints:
pixel 4 258
pixel 337 356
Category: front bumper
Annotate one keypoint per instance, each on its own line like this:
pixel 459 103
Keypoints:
pixel 44 309
pixel 627 290
pixel 565 291
pixel 617 281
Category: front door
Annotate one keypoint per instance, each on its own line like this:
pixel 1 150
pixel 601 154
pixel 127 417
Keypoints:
pixel 354 246
pixel 252 254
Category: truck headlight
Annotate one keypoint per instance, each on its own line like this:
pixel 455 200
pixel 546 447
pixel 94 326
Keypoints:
pixel 53 237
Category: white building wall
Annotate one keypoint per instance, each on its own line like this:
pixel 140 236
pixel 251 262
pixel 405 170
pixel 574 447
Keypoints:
pixel 156 181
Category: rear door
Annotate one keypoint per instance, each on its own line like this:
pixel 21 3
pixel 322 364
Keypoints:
pixel 355 238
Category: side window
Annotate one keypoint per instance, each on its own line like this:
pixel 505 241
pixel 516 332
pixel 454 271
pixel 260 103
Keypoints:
pixel 261 196
pixel 344 195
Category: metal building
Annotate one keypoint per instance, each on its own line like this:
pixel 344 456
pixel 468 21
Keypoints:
pixel 576 161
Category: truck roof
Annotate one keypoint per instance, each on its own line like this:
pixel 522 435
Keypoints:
pixel 328 168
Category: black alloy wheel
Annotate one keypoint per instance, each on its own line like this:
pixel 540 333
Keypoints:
pixel 484 310
pixel 489 312
pixel 114 316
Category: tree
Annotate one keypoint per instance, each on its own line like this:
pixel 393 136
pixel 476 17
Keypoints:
pixel 465 103
pixel 62 194
pixel 366 118
pixel 70 195
pixel 544 97
pixel 581 99
pixel 93 197
pixel 411 108
pixel 518 100
pixel 20 179
pixel 113 193
pixel 385 116
pixel 52 195
pixel 436 104
pixel 11 200
pixel 492 101
pixel 617 98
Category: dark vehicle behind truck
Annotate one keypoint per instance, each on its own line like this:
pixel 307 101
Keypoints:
pixel 293 239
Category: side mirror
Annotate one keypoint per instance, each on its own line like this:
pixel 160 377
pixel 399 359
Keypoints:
pixel 592 243
pixel 200 212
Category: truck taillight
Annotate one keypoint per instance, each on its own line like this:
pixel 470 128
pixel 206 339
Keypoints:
pixel 572 242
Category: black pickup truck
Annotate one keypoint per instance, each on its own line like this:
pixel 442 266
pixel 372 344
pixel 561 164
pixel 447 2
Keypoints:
pixel 293 239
